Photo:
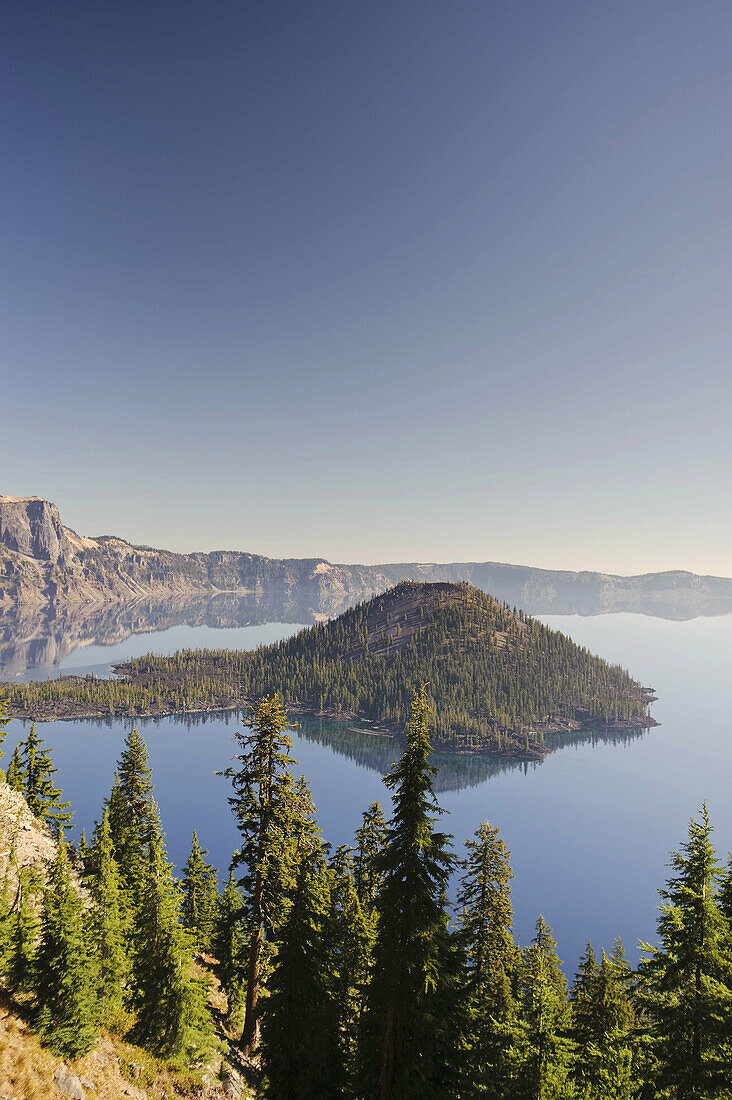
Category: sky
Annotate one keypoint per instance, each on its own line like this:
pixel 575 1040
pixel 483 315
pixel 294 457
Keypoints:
pixel 378 282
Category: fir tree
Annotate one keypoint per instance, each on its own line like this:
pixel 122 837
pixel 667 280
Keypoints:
pixel 65 968
pixel 41 793
pixel 685 983
pixel 227 946
pixel 265 804
pixel 4 721
pixel 350 933
pixel 199 895
pixel 370 839
pixel 22 934
pixel 172 1016
pixel 131 816
pixel 110 923
pixel 403 1024
pixel 484 904
pixel 300 1034
pixel 14 777
pixel 546 1017
pixel 604 1027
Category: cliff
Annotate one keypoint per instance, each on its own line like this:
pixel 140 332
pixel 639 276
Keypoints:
pixel 44 564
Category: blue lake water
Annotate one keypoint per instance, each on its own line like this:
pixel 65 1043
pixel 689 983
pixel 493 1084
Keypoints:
pixel 589 829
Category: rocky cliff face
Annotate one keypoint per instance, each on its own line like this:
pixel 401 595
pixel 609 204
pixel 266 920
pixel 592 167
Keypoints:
pixel 44 564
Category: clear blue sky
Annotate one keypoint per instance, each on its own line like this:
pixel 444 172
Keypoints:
pixel 377 281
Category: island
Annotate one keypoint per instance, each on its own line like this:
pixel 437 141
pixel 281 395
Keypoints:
pixel 501 680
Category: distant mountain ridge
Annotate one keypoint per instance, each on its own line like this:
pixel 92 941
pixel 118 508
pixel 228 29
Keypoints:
pixel 45 564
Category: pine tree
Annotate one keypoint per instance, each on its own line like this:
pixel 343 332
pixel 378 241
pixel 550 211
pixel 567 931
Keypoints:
pixel 199 895
pixel 65 968
pixel 686 982
pixel 404 1022
pixel 265 803
pixel 484 905
pixel 370 839
pixel 41 794
pixel 546 1018
pixel 300 1035
pixel 110 924
pixel 172 1016
pixel 227 946
pixel 14 776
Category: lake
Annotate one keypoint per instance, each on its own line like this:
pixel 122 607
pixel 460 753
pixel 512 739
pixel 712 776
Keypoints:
pixel 589 829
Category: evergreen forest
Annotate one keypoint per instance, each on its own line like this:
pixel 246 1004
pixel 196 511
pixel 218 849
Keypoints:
pixel 386 968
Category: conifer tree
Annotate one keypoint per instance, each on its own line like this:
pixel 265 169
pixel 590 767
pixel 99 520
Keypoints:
pixel 36 776
pixel 546 1018
pixel 266 803
pixel 350 933
pixel 405 1020
pixel 300 1034
pixel 131 817
pixel 686 982
pixel 604 1027
pixel 110 924
pixel 484 905
pixel 4 721
pixel 65 968
pixel 199 895
pixel 14 777
pixel 22 935
pixel 227 946
pixel 172 1016
pixel 369 845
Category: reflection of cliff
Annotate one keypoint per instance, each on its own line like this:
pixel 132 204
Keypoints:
pixel 32 637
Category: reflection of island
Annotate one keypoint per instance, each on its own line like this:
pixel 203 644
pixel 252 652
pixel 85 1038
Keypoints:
pixel 455 773
pixel 42 637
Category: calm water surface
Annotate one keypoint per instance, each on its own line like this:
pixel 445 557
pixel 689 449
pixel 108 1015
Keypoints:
pixel 589 829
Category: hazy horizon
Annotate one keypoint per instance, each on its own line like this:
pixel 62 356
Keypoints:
pixel 379 283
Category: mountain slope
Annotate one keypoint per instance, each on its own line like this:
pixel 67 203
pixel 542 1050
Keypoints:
pixel 500 680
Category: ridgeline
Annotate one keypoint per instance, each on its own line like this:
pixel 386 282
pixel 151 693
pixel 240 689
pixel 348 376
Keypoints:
pixel 500 679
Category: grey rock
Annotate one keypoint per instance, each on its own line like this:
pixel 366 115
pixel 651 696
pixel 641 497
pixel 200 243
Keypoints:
pixel 68 1084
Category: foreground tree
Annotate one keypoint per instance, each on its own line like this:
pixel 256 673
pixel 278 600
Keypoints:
pixel 546 1016
pixel 265 803
pixel 65 968
pixel 110 925
pixel 132 820
pixel 686 982
pixel 300 1032
pixel 227 947
pixel 370 837
pixel 172 1015
pixel 34 780
pixel 484 905
pixel 605 1028
pixel 199 895
pixel 402 1051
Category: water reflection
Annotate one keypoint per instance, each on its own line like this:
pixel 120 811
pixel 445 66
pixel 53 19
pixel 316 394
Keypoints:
pixel 377 752
pixel 43 639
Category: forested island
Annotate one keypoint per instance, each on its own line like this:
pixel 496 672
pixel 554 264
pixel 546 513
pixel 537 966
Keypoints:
pixel 502 679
